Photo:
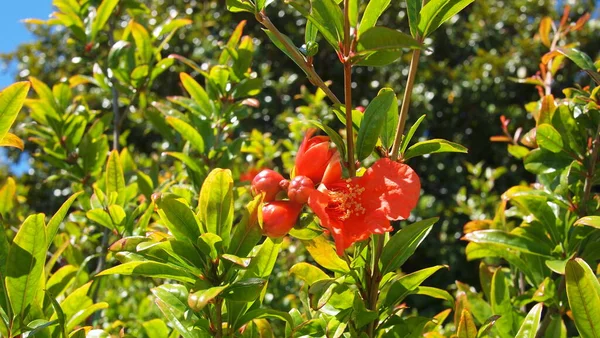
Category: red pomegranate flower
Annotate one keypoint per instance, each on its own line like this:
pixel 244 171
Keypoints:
pixel 317 160
pixel 355 208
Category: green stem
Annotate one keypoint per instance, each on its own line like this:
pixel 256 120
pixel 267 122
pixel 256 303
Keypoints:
pixel 374 281
pixel 293 52
pixel 589 177
pixel 414 63
pixel 219 317
pixel 348 90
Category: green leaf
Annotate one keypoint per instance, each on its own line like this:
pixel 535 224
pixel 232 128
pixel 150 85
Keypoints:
pixel 190 162
pixel 501 302
pixel 83 314
pixel 404 243
pixel 591 221
pixel 333 135
pixel 373 121
pixel 197 93
pixel 531 324
pixel 188 132
pixel 25 264
pixel 150 269
pixel 581 59
pixel 327 16
pixel 411 132
pixel 323 253
pixel 405 285
pixel 172 317
pixel 198 300
pixel 380 46
pixel 210 245
pixel 156 328
pixel 264 313
pixel 541 161
pixel 239 6
pixel 115 178
pixel 179 218
pixel 413 7
pixel 548 138
pixel 308 273
pixel 101 217
pixel 245 290
pixel 11 102
pixel 215 204
pixel 436 12
pixel 432 147
pixel 143 44
pixel 390 125
pixel 52 226
pixel 247 233
pixel 102 15
pixel 373 11
pixel 510 240
pixel 248 87
pixel 262 264
pixel 583 292
pixel 466 326
pixel 116 52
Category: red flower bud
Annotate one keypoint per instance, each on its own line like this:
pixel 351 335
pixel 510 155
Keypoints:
pixel 360 109
pixel 267 181
pixel 317 160
pixel 300 188
pixel 279 217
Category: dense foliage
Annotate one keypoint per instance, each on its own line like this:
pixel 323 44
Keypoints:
pixel 150 125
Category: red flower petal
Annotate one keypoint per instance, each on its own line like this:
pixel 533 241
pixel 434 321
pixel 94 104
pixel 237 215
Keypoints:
pixel 391 187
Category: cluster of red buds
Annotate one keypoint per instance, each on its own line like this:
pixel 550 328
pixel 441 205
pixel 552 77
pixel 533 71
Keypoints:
pixel 316 163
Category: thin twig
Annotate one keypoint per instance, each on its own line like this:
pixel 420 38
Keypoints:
pixel 300 60
pixel 412 72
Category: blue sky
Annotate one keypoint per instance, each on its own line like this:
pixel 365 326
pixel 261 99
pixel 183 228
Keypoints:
pixel 13 31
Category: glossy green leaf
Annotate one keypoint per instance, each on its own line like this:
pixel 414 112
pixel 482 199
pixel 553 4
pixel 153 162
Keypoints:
pixel 436 12
pixel 156 328
pixel 198 300
pixel 411 132
pixel 327 16
pixel 172 317
pixel 432 147
pixel 390 124
pixel 150 269
pixel 404 243
pixel 187 132
pixel 115 178
pixel 373 11
pixel 103 13
pixel 324 254
pixel 197 93
pixel 240 6
pixel 581 59
pixel 265 313
pixel 541 161
pixel 466 326
pixel 262 264
pixel 247 233
pixel 179 218
pixel 583 292
pixel 190 162
pixel 501 302
pixel 531 323
pixel 308 273
pixel 548 138
pixel 210 244
pixel 510 240
pixel 25 264
pixel 143 44
pixel 54 223
pixel 591 221
pixel 101 217
pixel 405 285
pixel 333 135
pixel 215 204
pixel 11 102
pixel 380 46
pixel 372 123
pixel 245 290
pixel 117 50
pixel 83 314
pixel 413 9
